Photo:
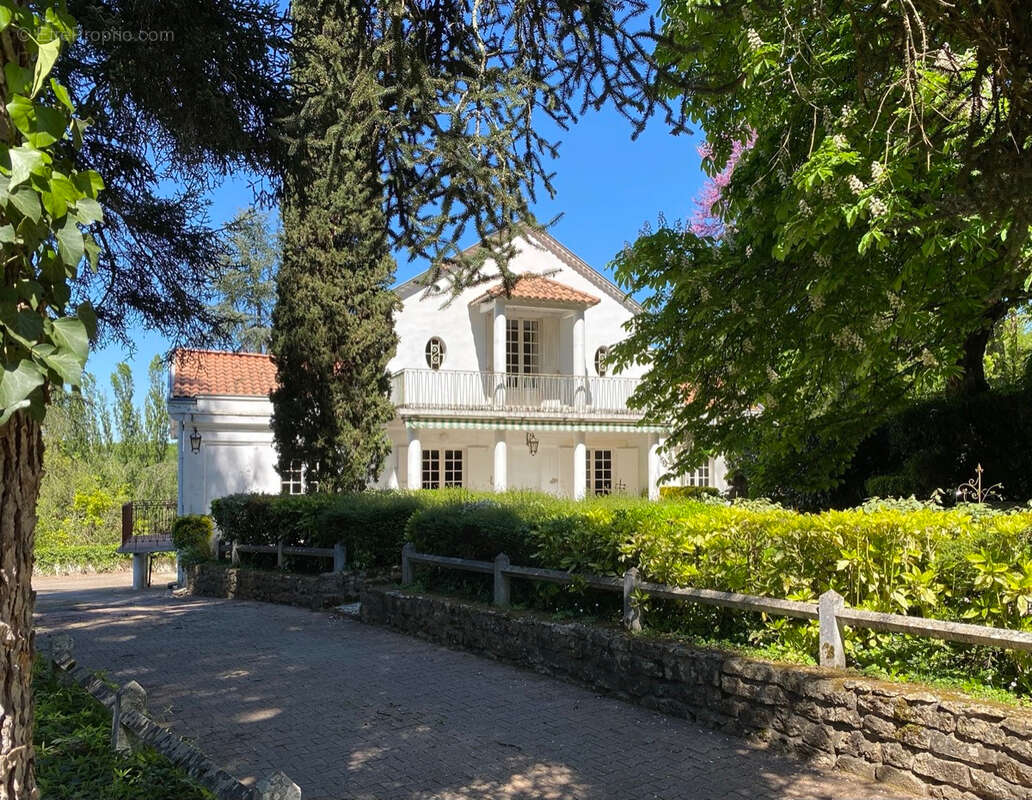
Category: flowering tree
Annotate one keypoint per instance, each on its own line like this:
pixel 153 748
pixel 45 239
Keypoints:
pixel 708 217
pixel 865 253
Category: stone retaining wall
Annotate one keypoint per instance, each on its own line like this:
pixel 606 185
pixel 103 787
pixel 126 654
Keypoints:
pixel 272 586
pixel 929 743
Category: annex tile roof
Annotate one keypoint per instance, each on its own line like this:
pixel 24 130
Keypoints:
pixel 544 290
pixel 214 372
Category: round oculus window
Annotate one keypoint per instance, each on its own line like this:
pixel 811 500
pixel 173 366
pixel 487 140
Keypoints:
pixel 435 352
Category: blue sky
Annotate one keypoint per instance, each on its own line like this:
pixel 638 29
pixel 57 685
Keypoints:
pixel 607 186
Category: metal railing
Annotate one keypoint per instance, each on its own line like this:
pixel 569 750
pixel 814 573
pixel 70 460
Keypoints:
pixel 459 390
pixel 147 522
pixel 831 611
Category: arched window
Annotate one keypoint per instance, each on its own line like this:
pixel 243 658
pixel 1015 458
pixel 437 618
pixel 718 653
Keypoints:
pixel 435 352
pixel 601 355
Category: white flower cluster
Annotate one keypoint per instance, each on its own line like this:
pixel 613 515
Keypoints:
pixel 928 359
pixel 704 294
pixel 747 346
pixel 878 207
pixel 840 141
pixel 816 301
pixel 735 308
pixel 894 300
pixel 847 339
pixel 823 261
pixel 827 191
pixel 772 374
pixel 748 251
pixel 856 186
pixel 804 209
pixel 755 40
pixel 877 171
pixel 782 177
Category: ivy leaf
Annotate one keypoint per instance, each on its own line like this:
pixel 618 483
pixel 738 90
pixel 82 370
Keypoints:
pixel 24 325
pixel 61 93
pixel 16 384
pixel 69 333
pixel 24 161
pixel 69 243
pixel 27 202
pixel 89 210
pixel 6 15
pixel 48 53
pixel 64 363
pixel 85 312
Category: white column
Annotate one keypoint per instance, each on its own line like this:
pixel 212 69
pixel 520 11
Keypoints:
pixel 580 475
pixel 501 463
pixel 580 357
pixel 498 350
pixel 580 390
pixel 414 471
pixel 655 466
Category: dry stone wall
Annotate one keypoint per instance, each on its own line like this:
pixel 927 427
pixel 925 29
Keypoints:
pixel 272 586
pixel 929 743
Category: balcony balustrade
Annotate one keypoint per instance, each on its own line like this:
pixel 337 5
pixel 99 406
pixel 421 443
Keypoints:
pixel 564 395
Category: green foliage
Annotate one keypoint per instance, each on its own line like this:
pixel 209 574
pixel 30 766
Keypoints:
pixel 47 204
pixel 687 492
pixel 371 525
pixel 333 324
pixel 88 477
pixel 865 259
pixel 191 535
pixel 62 559
pixel 190 97
pixel 74 758
pixel 246 289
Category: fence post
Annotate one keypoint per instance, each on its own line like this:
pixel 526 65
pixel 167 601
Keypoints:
pixel 340 557
pixel 216 546
pixel 234 555
pixel 279 554
pixel 131 697
pixel 502 582
pixel 277 787
pixel 127 522
pixel 406 565
pixel 631 611
pixel 832 653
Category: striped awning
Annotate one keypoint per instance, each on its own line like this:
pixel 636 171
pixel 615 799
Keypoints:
pixel 534 425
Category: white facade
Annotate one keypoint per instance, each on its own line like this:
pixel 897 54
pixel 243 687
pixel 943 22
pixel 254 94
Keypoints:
pixel 479 381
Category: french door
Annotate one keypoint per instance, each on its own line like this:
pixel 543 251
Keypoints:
pixel 522 360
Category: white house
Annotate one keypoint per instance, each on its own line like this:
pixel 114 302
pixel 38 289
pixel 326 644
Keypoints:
pixel 493 392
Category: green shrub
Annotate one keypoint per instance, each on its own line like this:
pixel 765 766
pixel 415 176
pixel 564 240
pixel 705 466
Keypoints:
pixel 371 525
pixel 687 492
pixel 191 536
pixel 61 559
pixel 477 529
pixel 268 518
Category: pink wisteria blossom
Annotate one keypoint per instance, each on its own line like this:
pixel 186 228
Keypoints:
pixel 706 219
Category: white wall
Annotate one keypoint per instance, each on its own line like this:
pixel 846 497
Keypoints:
pixel 236 455
pixel 466 330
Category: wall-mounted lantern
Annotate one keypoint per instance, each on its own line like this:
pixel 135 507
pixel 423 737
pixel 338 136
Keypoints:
pixel 195 441
pixel 532 443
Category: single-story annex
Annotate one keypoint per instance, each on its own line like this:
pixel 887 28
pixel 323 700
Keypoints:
pixel 492 392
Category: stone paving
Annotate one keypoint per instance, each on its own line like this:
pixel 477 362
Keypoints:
pixel 352 711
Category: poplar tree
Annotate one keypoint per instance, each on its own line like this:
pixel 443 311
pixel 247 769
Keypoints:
pixel 333 328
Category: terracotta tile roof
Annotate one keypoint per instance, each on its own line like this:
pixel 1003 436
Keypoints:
pixel 214 372
pixel 537 287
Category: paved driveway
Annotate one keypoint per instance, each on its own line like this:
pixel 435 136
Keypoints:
pixel 352 711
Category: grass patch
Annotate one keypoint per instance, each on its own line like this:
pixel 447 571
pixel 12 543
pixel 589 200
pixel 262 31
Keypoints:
pixel 74 760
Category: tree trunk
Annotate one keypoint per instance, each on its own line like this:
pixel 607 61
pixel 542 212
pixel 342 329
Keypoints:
pixel 972 379
pixel 21 467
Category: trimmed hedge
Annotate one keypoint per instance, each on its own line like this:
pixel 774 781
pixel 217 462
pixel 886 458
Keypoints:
pixel 61 559
pixel 191 535
pixel 969 563
pixel 687 492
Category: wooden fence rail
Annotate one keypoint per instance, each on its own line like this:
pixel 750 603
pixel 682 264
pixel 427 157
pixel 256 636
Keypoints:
pixel 831 612
pixel 338 552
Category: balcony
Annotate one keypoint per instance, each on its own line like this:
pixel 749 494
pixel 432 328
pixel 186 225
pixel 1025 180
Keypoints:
pixel 505 393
